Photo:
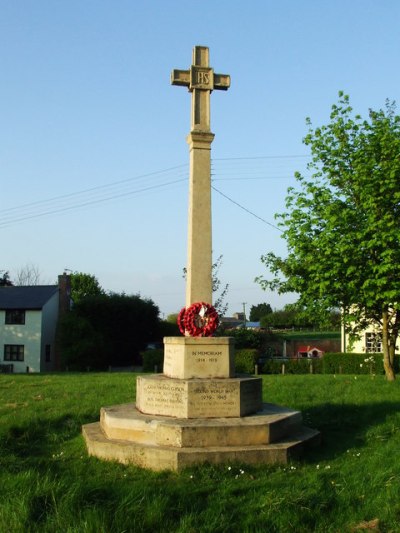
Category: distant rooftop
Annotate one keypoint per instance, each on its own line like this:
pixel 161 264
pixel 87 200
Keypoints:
pixel 29 297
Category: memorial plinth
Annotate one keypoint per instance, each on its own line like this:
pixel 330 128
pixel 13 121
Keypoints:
pixel 199 357
pixel 180 422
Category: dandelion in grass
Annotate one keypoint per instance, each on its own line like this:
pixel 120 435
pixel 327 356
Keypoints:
pixel 317 467
pixel 328 467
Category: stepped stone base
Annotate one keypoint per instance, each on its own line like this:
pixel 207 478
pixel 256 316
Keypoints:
pixel 123 434
pixel 157 394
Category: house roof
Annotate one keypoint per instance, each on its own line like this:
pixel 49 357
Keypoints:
pixel 308 349
pixel 29 297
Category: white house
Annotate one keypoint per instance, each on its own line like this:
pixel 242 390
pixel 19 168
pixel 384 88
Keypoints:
pixel 370 341
pixel 28 322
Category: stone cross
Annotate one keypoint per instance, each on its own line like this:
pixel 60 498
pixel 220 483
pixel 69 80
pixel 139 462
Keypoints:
pixel 201 81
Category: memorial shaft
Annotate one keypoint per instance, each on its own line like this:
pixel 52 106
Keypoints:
pixel 201 81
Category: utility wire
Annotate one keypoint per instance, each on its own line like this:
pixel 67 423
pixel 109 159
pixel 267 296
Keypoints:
pixel 85 204
pixel 223 169
pixel 245 209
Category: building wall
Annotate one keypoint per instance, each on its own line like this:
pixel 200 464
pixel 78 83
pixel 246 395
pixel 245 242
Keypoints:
pixel 28 335
pixel 360 345
pixel 49 324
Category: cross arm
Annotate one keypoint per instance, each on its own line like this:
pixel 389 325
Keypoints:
pixel 180 77
pixel 222 81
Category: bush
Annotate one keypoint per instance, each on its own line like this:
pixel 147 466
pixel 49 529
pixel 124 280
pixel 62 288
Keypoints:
pixel 292 366
pixel 245 360
pixel 330 363
pixel 153 358
pixel 355 363
pixel 245 338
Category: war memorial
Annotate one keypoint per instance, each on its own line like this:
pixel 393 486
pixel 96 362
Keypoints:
pixel 198 410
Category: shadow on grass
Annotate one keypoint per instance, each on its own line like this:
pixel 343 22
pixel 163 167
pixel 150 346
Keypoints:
pixel 345 426
pixel 35 443
pixel 342 426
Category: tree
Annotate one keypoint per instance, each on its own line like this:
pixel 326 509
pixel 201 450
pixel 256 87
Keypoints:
pixel 258 311
pixel 219 303
pixel 84 285
pixel 342 227
pixel 5 279
pixel 28 275
pixel 107 329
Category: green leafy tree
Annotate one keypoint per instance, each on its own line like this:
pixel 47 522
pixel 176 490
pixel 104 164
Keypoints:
pixel 342 226
pixel 107 329
pixel 258 311
pixel 84 285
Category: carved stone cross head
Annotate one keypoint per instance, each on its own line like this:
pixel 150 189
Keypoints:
pixel 201 81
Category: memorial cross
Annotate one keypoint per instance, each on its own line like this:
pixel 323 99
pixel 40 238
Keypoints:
pixel 201 81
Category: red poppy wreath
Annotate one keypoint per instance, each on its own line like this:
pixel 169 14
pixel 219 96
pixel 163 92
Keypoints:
pixel 198 320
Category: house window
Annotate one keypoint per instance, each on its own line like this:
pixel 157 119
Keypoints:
pixel 15 316
pixel 48 353
pixel 13 352
pixel 373 342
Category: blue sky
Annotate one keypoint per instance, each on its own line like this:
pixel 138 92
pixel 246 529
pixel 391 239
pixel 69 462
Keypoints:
pixel 93 156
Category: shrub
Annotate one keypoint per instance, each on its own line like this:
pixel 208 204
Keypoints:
pixel 330 363
pixel 292 366
pixel 245 338
pixel 355 363
pixel 153 358
pixel 245 360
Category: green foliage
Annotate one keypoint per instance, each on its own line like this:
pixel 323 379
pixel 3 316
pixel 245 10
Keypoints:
pixel 258 311
pixel 245 361
pixel 297 316
pixel 245 338
pixel 152 359
pixel 168 329
pixel 172 318
pixel 342 227
pixel 84 285
pixel 292 366
pixel 344 363
pixel 104 330
pixel 330 363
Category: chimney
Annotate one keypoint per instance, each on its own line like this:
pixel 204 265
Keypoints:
pixel 64 305
pixel 64 288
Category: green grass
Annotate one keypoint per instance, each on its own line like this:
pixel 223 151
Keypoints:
pixel 49 484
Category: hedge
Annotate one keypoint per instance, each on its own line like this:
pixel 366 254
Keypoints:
pixel 152 359
pixel 245 360
pixel 330 363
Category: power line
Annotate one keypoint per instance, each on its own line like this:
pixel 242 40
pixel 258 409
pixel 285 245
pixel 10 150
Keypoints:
pixel 234 168
pixel 245 209
pixel 54 211
pixel 298 156
pixel 92 189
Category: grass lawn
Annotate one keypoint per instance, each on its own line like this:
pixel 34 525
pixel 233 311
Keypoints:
pixel 49 484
